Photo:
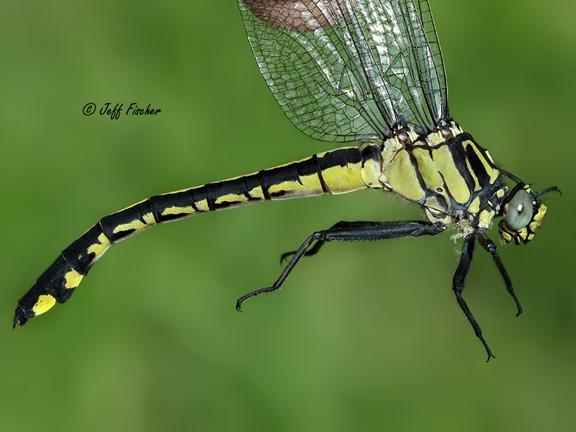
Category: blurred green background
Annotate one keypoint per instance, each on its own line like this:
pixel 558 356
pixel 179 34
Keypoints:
pixel 364 336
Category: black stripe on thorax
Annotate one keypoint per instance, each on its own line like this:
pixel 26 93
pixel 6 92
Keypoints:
pixel 459 156
pixel 420 178
pixel 484 154
pixel 478 167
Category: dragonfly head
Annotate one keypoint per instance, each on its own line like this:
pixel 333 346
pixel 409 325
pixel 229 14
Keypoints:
pixel 523 213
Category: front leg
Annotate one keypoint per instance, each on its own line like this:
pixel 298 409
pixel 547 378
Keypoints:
pixel 458 287
pixel 490 247
pixel 348 231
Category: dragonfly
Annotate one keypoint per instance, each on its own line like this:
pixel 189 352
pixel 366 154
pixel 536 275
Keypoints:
pixel 367 74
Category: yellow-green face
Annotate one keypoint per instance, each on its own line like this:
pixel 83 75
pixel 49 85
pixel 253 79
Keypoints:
pixel 523 215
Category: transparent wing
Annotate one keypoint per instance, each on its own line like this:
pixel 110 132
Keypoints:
pixel 349 70
pixel 432 61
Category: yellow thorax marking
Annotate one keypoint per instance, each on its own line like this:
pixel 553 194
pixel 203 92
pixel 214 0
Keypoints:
pixel 492 173
pixel 436 137
pixel 428 169
pixel 454 181
pixel 474 206
pixel 485 218
pixel 432 202
pixel 402 178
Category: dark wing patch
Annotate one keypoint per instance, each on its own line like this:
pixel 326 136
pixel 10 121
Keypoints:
pixel 288 14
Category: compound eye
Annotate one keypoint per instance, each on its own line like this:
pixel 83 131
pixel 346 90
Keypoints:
pixel 520 211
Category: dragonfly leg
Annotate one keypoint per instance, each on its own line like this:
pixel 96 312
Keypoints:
pixel 458 287
pixel 315 248
pixel 490 247
pixel 312 250
pixel 348 231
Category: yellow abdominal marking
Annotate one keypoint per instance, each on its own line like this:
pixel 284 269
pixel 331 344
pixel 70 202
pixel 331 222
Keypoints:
pixel 44 304
pixel 135 225
pixel 343 179
pixel 371 174
pixel 454 181
pixel 202 205
pixel 307 185
pixel 99 248
pixel 149 219
pixel 230 198
pixel 256 193
pixel 73 279
pixel 174 210
pixel 311 183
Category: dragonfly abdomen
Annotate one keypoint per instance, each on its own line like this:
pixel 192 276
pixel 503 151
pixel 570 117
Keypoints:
pixel 343 170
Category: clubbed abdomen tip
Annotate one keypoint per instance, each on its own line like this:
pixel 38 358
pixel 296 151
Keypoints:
pixel 20 317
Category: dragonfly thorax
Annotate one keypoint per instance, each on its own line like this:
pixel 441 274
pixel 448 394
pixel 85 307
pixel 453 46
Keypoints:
pixel 447 173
